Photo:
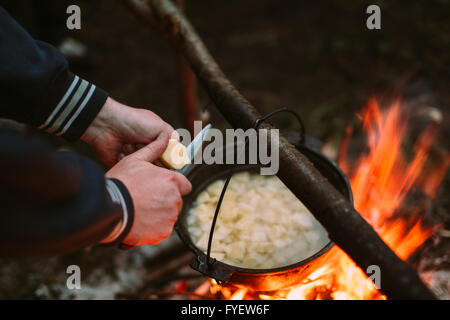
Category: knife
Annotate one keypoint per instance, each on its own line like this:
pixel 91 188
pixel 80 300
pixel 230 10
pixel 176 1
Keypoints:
pixel 194 148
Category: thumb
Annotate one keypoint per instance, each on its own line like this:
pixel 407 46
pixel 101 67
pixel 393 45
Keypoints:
pixel 153 150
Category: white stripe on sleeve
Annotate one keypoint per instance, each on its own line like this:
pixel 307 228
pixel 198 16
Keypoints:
pixel 61 103
pixel 69 107
pixel 80 108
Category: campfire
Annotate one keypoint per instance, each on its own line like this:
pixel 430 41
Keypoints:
pixel 381 179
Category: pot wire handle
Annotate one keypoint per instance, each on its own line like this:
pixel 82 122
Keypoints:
pixel 296 115
pixel 231 171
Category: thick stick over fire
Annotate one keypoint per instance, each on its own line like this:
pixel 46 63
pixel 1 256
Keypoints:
pixel 344 224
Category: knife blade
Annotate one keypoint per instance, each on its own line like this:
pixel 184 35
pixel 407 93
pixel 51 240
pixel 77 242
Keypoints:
pixel 194 147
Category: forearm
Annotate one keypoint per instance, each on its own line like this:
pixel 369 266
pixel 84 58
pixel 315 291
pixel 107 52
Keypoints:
pixel 51 202
pixel 37 87
pixel 119 194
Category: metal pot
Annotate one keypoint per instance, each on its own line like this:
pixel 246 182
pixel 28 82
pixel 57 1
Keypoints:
pixel 257 279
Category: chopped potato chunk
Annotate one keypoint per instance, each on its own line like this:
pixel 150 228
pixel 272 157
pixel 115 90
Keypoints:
pixel 261 224
pixel 175 156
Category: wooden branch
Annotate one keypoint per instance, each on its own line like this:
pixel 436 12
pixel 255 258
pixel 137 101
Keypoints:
pixel 187 83
pixel 343 223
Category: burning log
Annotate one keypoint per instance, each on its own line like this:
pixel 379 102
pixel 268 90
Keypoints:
pixel 344 224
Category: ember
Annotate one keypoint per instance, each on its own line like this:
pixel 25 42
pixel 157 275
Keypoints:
pixel 380 179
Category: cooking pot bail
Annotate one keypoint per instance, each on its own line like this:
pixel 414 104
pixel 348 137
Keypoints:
pixel 207 266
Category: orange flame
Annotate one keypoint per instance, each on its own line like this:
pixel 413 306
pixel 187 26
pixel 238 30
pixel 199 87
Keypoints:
pixel 380 180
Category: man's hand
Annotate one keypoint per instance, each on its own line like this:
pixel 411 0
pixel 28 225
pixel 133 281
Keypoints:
pixel 156 193
pixel 119 130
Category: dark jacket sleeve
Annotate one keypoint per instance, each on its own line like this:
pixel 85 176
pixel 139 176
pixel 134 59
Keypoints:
pixel 37 88
pixel 51 202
